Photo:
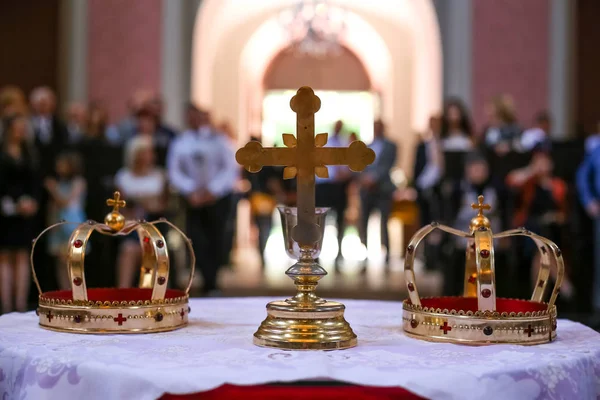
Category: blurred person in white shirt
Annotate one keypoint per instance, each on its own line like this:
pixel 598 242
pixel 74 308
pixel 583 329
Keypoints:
pixel 202 168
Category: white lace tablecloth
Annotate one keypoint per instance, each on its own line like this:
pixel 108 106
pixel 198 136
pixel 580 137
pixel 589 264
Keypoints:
pixel 216 348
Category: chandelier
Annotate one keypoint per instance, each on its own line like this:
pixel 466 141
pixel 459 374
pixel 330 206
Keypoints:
pixel 315 28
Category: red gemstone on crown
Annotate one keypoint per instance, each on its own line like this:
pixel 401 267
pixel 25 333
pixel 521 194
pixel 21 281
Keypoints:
pixel 78 243
pixel 411 287
pixel 414 323
pixel 161 280
pixel 484 253
pixel 77 281
pixel 146 239
pixel 160 244
pixel 486 293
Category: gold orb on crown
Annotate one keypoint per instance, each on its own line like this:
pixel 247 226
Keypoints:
pixel 479 317
pixel 114 219
pixel 150 307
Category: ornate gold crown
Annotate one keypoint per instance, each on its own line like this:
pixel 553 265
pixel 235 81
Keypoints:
pixel 480 317
pixel 149 308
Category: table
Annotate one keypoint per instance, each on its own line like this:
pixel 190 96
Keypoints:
pixel 216 349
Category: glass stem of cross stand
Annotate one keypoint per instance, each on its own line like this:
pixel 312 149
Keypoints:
pixel 306 274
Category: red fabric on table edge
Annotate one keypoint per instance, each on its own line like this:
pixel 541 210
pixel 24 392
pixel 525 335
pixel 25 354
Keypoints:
pixel 274 392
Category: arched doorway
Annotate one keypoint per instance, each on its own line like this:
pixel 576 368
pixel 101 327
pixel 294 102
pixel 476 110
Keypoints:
pixel 397 42
pixel 341 82
pixel 343 71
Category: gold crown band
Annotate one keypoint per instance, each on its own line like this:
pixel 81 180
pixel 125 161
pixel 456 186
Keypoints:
pixel 484 261
pixel 114 317
pixel 480 327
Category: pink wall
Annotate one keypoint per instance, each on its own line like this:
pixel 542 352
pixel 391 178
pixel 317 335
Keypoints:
pixel 124 50
pixel 510 55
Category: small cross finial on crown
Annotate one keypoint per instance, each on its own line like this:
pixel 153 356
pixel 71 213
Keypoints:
pixel 480 206
pixel 116 202
pixel 114 219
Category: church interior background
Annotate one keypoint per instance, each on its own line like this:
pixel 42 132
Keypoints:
pixel 394 60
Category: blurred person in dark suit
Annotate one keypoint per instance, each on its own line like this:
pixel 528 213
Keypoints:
pixel 376 184
pixel 76 119
pixel 126 127
pixel 101 153
pixel 429 168
pixel 333 191
pixel 477 181
pixel 156 106
pixel 428 173
pixel 50 133
pixel 266 191
pixel 19 204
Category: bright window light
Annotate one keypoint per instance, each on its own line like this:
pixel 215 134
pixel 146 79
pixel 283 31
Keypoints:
pixel 330 245
pixel 357 109
pixel 352 248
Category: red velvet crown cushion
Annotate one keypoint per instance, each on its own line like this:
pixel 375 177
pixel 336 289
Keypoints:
pixel 470 304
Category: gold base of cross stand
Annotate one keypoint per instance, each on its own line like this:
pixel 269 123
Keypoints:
pixel 319 328
pixel 305 322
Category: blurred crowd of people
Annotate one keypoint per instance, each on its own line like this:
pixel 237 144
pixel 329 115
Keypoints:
pixel 54 168
pixel 512 168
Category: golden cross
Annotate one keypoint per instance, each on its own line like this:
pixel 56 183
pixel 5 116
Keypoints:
pixel 116 202
pixel 303 157
pixel 480 206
